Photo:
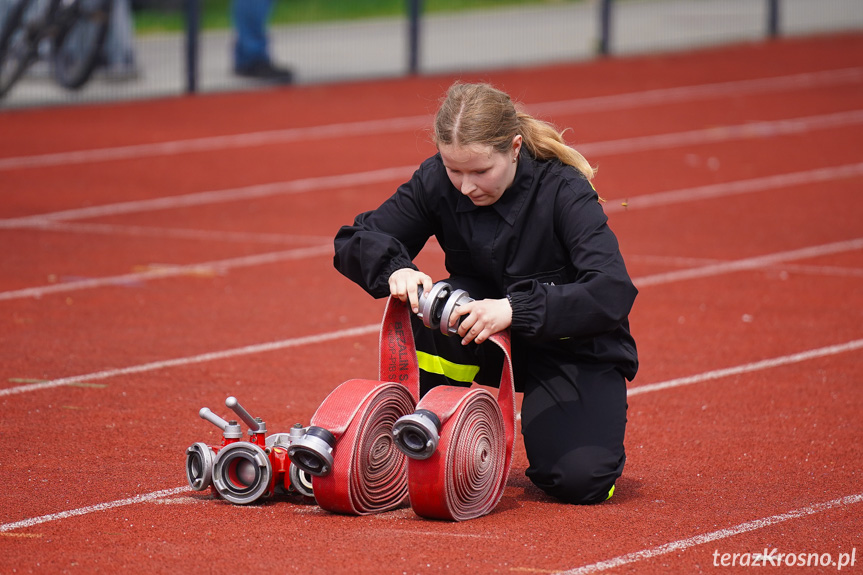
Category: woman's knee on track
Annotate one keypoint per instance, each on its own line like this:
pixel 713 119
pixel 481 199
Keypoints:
pixel 583 476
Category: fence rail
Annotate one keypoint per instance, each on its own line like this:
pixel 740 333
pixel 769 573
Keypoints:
pixel 418 42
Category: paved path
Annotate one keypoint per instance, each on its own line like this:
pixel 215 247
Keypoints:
pixel 475 40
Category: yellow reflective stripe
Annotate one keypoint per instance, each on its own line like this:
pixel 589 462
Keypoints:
pixel 610 493
pixel 441 366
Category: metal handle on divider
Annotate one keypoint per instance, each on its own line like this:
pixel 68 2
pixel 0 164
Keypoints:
pixel 255 424
pixel 205 413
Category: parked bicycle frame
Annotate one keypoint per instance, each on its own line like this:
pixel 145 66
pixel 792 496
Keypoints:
pixel 67 33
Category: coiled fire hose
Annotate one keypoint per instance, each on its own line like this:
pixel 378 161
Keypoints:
pixel 369 451
pixel 349 448
pixel 459 440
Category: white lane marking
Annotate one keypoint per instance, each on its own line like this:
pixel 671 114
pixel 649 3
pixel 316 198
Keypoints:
pixel 749 367
pixel 664 96
pixel 713 135
pixel 756 262
pixel 92 508
pixel 180 233
pixel 210 144
pixel 215 196
pixel 169 271
pixel 686 262
pixel 683 544
pixel 204 357
pixel 724 189
pixel 393 125
pixel 401 173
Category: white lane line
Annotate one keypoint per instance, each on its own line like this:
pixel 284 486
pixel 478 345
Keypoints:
pixel 402 173
pixel 683 544
pixel 210 144
pixel 202 358
pixel 706 376
pixel 822 270
pixel 753 185
pixel 749 367
pixel 393 125
pixel 170 271
pixel 686 262
pixel 217 196
pixel 757 262
pixel 664 96
pixel 181 233
pixel 92 508
pixel 713 135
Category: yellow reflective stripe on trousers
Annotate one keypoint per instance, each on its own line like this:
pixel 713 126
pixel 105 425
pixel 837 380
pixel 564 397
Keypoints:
pixel 441 366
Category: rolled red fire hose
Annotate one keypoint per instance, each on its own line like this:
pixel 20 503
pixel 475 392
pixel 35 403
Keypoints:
pixel 465 476
pixel 368 472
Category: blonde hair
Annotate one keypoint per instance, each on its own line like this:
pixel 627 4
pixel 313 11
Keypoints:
pixel 481 114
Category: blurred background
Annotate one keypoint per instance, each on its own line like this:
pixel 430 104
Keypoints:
pixel 172 47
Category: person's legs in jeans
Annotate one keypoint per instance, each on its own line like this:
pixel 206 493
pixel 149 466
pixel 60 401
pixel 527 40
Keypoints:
pixel 250 26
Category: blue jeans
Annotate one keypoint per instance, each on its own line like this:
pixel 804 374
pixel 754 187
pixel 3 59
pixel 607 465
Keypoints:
pixel 119 45
pixel 250 24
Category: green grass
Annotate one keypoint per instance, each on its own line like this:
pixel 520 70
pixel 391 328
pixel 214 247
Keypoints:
pixel 216 13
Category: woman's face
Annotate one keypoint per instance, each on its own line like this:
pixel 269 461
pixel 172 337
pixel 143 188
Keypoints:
pixel 479 172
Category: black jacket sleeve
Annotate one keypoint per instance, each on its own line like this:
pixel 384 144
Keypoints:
pixel 386 239
pixel 598 299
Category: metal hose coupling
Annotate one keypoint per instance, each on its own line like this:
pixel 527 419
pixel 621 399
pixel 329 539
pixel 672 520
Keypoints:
pixel 313 452
pixel 279 443
pixel 438 304
pixel 200 457
pixel 431 303
pixel 242 472
pixel 456 298
pixel 417 435
pixel 199 466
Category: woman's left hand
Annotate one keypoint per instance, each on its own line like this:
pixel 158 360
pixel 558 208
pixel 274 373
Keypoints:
pixel 482 319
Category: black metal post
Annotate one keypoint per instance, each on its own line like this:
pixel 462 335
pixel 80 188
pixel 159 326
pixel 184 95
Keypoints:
pixel 192 10
pixel 414 16
pixel 605 27
pixel 772 18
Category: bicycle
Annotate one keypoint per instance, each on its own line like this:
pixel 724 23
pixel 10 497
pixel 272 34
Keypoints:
pixel 68 33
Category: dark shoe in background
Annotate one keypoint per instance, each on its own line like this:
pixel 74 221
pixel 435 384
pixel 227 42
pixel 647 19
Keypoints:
pixel 266 70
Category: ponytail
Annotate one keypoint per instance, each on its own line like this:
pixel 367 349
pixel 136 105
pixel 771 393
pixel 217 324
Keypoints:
pixel 546 143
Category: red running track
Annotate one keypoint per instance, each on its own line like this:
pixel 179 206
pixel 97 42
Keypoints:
pixel 160 256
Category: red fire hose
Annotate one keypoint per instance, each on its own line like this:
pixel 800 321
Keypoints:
pixel 455 468
pixel 465 477
pixel 367 473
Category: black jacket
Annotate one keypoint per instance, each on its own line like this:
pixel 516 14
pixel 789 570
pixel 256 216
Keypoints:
pixel 545 242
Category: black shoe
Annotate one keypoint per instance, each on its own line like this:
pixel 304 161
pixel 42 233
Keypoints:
pixel 265 70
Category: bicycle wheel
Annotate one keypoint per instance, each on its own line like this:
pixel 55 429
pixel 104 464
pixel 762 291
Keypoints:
pixel 18 45
pixel 83 25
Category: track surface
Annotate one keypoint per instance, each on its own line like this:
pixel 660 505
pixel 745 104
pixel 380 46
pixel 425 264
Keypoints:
pixel 160 256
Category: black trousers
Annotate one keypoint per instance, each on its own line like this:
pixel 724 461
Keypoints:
pixel 573 415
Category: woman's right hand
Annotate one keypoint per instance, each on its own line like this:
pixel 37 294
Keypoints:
pixel 403 285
